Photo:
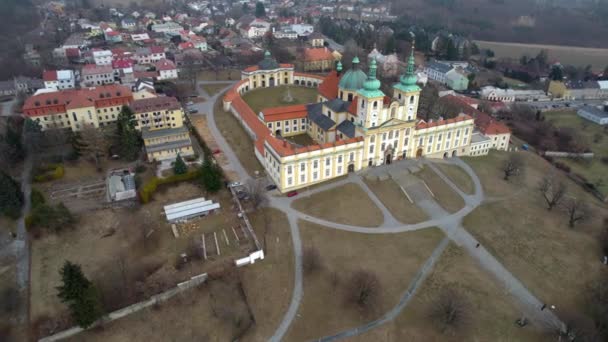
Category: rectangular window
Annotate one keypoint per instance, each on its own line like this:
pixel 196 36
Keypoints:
pixel 396 134
pixel 390 135
pixel 406 142
pixel 439 137
pixel 371 149
pixel 302 178
pixel 447 145
pixel 382 147
pixel 327 161
pixel 352 156
pixel 315 175
pixel 295 122
pixel 383 136
pixel 339 158
pixel 428 149
pixel 315 164
pixel 457 133
pixel 449 135
pixel 430 139
pixel 289 170
pixel 302 167
pixel 438 147
pixel 339 170
pixel 420 142
pixel 327 171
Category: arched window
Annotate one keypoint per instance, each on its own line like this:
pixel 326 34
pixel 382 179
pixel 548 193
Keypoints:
pixel 375 104
pixel 362 103
pixel 393 112
pixel 411 100
pixel 350 97
pixel 342 95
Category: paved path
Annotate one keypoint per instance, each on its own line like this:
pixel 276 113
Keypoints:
pixel 450 224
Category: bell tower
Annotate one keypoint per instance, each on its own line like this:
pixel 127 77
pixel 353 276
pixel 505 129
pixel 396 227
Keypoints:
pixel 407 92
pixel 371 99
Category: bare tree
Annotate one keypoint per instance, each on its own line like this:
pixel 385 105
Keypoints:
pixel 577 211
pixel 311 260
pixel 95 143
pixel 363 290
pixel 512 166
pixel 553 191
pixel 257 193
pixel 450 310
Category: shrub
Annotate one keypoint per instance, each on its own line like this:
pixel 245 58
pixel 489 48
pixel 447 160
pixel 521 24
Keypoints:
pixel 45 216
pixel 145 194
pixel 140 168
pixel 49 172
pixel 37 198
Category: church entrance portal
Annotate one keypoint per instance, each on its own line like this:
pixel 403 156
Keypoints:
pixel 388 159
pixel 419 153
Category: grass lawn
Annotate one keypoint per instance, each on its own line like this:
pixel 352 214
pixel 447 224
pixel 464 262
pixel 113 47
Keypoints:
pixel 347 204
pixel 393 258
pixel 237 138
pixel 213 89
pixel 395 200
pixel 594 170
pixel 209 312
pixel 268 284
pixel 261 98
pixel 554 261
pixel 103 239
pixel 444 195
pixel 302 139
pixel 458 176
pixel 492 312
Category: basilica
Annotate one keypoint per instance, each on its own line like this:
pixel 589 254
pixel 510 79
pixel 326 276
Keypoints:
pixel 353 124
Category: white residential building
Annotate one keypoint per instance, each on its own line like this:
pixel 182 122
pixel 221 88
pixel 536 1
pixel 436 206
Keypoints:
pixel 96 75
pixel 59 79
pixel 166 70
pixel 102 57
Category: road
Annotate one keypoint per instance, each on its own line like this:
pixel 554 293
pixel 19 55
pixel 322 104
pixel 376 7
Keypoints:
pixel 333 45
pixel 449 223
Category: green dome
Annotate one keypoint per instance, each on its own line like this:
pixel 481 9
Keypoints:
pixel 354 78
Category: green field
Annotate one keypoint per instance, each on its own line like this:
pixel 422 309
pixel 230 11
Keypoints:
pixel 273 97
pixel 578 56
pixel 594 170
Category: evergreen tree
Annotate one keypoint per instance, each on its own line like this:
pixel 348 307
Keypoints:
pixel 451 51
pixel 12 142
pixel 11 197
pixel 179 167
pixel 129 142
pixel 78 146
pixel 557 73
pixel 260 10
pixel 211 177
pixel 80 295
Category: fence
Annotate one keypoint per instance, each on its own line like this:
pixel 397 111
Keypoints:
pixel 120 313
pixel 587 155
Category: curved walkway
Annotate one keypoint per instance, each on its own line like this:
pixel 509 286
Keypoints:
pixel 450 224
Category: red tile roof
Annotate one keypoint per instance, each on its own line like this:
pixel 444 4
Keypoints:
pixel 317 54
pixel 329 87
pixel 186 45
pixel 423 124
pixel 486 123
pixel 49 75
pixel 164 65
pixel 94 69
pixel 155 104
pixel 285 113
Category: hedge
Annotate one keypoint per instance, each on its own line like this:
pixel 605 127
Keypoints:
pixel 58 171
pixel 146 192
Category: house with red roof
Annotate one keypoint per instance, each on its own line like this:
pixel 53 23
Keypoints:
pixel 318 59
pixel 166 70
pixel 94 75
pixel 59 79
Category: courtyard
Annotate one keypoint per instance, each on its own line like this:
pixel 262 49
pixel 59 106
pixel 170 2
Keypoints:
pixel 262 98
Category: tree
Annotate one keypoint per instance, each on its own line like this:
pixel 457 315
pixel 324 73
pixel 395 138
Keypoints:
pixel 11 147
pixel 364 289
pixel 512 166
pixel 451 51
pixel 557 73
pixel 577 211
pixel 311 260
pixel 260 10
pixel 428 100
pixel 257 193
pixel 79 294
pixel 53 218
pixel 211 176
pixel 179 167
pixel 128 139
pixel 391 45
pixel 11 197
pixel 92 142
pixel 553 191
pixel 450 310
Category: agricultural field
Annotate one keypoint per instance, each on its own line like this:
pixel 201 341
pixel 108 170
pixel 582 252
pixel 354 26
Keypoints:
pixel 578 56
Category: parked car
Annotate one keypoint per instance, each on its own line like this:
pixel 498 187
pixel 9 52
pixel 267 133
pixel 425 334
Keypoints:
pixel 271 187
pixel 233 184
pixel 193 111
pixel 525 147
pixel 292 193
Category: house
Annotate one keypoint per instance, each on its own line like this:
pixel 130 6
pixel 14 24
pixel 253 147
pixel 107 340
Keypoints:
pixel 140 37
pixel 94 75
pixel 59 79
pixel 128 24
pixel 123 70
pixel 166 70
pixel 456 79
pixel 170 28
pixel 316 40
pixel 593 114
pixel 510 95
pixel 161 122
pixel 451 74
pixel 185 46
pixel 31 56
pixel 199 42
pixel 102 57
pixel 302 30
pixel 189 58
pixel 437 71
pixel 318 59
pixel 149 55
pixel 252 27
pixel 284 33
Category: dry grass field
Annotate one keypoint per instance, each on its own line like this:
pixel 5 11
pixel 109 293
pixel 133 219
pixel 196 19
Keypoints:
pixel 579 56
pixel 220 75
pixel 491 311
pixel 444 195
pixel 396 202
pixel 458 176
pixel 347 204
pixel 554 261
pixel 212 89
pixel 106 242
pixel 237 138
pixel 393 258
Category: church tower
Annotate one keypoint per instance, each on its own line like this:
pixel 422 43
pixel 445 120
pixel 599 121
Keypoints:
pixel 407 92
pixel 371 99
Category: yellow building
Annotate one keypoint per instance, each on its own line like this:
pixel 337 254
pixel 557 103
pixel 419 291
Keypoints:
pixel 161 121
pixel 354 125
pixel 268 73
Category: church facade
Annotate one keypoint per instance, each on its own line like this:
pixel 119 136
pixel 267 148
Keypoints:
pixel 353 123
